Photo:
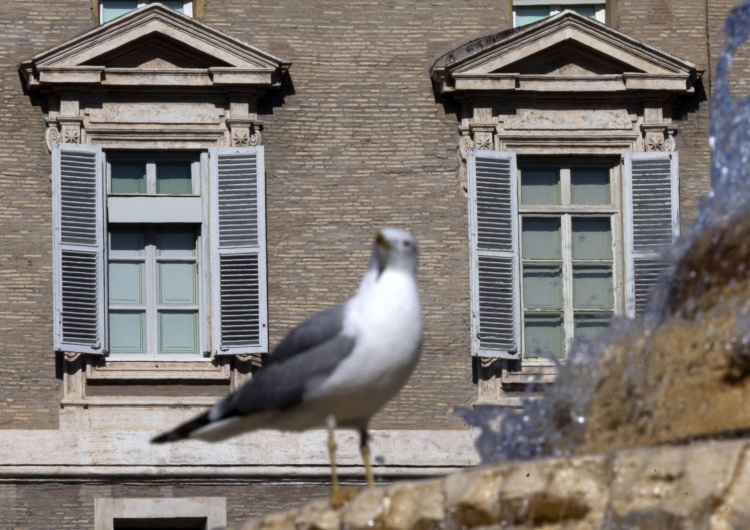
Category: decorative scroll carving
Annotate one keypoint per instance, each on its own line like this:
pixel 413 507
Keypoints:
pixel 52 136
pixel 464 144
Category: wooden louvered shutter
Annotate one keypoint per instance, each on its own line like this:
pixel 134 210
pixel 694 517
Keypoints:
pixel 78 248
pixel 651 222
pixel 493 233
pixel 238 250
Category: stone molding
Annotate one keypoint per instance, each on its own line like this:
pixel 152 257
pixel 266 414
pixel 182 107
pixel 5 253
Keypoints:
pixel 153 79
pixel 26 454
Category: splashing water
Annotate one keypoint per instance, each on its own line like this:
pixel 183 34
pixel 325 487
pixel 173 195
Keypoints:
pixel 553 424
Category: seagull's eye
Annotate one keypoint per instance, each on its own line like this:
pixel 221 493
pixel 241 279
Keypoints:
pixel 407 244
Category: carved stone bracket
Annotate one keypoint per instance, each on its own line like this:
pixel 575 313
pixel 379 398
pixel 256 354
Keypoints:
pixel 658 137
pixel 63 130
pixel 245 132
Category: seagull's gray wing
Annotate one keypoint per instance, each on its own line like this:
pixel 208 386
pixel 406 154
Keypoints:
pixel 284 384
pixel 314 331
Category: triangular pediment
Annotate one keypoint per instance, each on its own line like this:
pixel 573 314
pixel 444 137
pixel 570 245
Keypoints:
pixel 557 54
pixel 158 40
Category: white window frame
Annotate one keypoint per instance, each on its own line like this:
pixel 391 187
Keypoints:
pixel 558 6
pixel 150 259
pixel 187 7
pixel 565 212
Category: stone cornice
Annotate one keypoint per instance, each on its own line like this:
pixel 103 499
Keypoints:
pixel 493 63
pixel 230 62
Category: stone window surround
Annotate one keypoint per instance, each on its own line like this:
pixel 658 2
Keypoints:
pixel 198 7
pixel 212 103
pixel 569 111
pixel 211 511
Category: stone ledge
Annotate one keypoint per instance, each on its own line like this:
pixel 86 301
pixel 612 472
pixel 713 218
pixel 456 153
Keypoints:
pixel 397 453
pixel 704 485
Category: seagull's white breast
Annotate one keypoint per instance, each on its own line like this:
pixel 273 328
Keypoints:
pixel 386 320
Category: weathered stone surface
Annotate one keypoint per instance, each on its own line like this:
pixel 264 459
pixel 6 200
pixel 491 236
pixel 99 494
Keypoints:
pixel 703 485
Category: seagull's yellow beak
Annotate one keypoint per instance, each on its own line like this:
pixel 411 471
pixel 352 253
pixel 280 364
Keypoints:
pixel 382 242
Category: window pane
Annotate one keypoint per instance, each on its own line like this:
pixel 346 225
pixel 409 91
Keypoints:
pixel 127 332
pixel 178 283
pixel 592 287
pixel 542 287
pixel 590 185
pixel 178 332
pixel 126 284
pixel 112 9
pixel 592 238
pixel 585 10
pixel 126 240
pixel 177 5
pixel 174 178
pixel 175 242
pixel 543 335
pixel 540 237
pixel 127 177
pixel 540 186
pixel 528 14
pixel 590 325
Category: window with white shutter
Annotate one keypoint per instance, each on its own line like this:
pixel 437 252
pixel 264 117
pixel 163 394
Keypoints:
pixel 78 249
pixel 545 260
pixel 238 250
pixel 651 187
pixel 152 247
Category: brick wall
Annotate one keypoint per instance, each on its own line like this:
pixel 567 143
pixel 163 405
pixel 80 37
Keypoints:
pixel 355 141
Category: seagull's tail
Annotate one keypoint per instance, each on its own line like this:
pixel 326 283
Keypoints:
pixel 181 432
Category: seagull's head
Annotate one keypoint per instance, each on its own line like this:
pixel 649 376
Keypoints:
pixel 395 248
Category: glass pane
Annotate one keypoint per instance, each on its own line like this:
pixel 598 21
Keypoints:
pixel 590 185
pixel 540 237
pixel 174 178
pixel 540 186
pixel 592 238
pixel 177 5
pixel 543 335
pixel 126 240
pixel 178 283
pixel 542 287
pixel 174 241
pixel 585 10
pixel 592 287
pixel 112 9
pixel 126 283
pixel 178 332
pixel 528 14
pixel 127 177
pixel 127 332
pixel 590 325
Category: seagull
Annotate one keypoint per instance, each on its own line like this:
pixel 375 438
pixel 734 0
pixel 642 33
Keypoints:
pixel 336 369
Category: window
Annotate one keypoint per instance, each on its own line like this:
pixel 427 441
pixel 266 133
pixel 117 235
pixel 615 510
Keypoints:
pixel 154 304
pixel 528 11
pixel 568 222
pixel 176 243
pixel 111 9
pixel 559 246
pixel 195 513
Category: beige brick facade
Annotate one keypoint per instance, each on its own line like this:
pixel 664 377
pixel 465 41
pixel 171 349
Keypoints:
pixel 356 138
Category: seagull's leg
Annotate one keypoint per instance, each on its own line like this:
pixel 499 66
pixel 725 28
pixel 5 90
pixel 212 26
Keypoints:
pixel 336 490
pixel 364 447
